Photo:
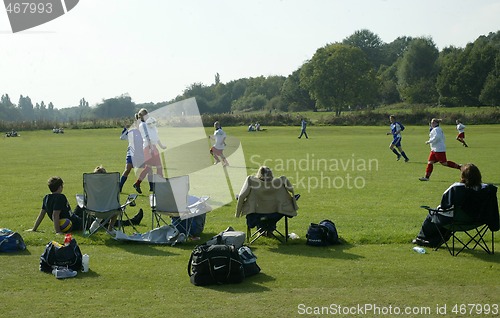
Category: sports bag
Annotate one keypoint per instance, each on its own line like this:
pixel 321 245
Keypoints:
pixel 56 254
pixel 228 237
pixel 11 241
pixel 215 264
pixel 322 234
pixel 332 237
pixel 249 261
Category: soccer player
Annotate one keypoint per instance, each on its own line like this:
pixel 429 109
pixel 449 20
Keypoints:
pixel 461 133
pixel 396 129
pixel 438 150
pixel 220 143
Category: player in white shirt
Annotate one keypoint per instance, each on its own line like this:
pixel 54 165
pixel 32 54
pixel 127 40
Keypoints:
pixel 461 133
pixel 438 150
pixel 220 143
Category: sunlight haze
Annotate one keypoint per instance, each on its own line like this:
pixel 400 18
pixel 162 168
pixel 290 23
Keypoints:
pixel 154 49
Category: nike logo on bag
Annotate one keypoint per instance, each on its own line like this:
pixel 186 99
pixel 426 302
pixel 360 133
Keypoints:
pixel 218 267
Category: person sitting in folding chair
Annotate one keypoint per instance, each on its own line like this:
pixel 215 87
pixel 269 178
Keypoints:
pixel 136 220
pixel 57 208
pixel 432 226
pixel 265 200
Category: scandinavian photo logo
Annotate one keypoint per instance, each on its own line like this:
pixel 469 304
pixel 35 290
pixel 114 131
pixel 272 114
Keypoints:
pixel 27 14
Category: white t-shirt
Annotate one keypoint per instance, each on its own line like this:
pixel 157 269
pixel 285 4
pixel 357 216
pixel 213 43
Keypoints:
pixel 220 137
pixel 461 128
pixel 436 140
pixel 149 132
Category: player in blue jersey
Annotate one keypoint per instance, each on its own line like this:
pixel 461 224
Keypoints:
pixel 135 155
pixel 396 129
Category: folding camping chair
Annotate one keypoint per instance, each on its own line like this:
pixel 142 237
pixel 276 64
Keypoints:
pixel 171 198
pixel 477 214
pixel 101 200
pixel 266 198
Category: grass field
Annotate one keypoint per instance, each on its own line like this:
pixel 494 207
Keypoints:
pixel 345 174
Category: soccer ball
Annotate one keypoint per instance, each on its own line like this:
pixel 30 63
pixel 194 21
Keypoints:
pixel 65 225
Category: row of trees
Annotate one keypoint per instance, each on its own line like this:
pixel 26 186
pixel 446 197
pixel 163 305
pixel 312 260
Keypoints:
pixel 361 72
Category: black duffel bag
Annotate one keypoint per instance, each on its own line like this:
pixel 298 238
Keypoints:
pixel 56 254
pixel 215 264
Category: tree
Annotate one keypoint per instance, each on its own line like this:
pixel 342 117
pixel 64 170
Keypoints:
pixel 117 107
pixel 393 51
pixel 26 108
pixel 447 82
pixel 417 72
pixel 293 96
pixel 479 62
pixel 339 76
pixel 370 43
pixel 490 95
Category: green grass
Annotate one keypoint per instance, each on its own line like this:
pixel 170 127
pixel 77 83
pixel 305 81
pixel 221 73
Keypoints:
pixel 377 214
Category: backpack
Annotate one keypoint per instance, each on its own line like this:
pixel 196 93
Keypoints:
pixel 215 264
pixel 11 241
pixel 322 234
pixel 56 254
pixel 249 261
pixel 228 237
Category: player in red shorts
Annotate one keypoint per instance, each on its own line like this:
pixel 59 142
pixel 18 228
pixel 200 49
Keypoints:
pixel 461 133
pixel 438 150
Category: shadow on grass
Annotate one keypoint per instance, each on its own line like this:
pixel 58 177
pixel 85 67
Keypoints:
pixel 476 253
pixel 142 248
pixel 249 285
pixel 338 251
pixel 26 252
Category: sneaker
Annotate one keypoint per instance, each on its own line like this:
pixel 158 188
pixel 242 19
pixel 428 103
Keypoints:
pixel 423 179
pixel 399 157
pixel 421 242
pixel 137 188
pixel 297 196
pixel 407 159
pixel 63 272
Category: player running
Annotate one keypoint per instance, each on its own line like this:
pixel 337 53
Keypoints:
pixel 396 129
pixel 461 133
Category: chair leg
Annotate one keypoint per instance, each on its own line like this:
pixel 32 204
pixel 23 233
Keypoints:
pixel 286 229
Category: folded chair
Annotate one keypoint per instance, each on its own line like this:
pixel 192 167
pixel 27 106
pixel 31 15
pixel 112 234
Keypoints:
pixel 170 198
pixel 266 198
pixel 101 200
pixel 473 218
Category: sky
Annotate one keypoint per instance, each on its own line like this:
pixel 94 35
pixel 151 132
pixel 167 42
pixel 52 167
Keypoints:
pixel 153 50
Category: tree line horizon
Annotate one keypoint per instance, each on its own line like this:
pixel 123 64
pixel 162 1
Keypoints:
pixel 359 73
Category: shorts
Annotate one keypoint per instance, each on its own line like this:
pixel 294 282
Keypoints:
pixel 152 159
pixel 216 152
pixel 128 160
pixel 437 157
pixel 461 135
pixel 137 163
pixel 396 141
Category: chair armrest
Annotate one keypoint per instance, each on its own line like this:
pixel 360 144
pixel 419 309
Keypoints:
pixel 131 199
pixel 437 210
pixel 80 200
